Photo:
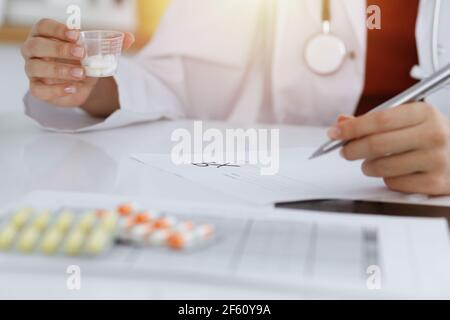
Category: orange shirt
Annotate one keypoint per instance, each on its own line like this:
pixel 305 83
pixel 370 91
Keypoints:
pixel 391 53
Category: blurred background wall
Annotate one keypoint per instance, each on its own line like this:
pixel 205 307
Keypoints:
pixel 17 16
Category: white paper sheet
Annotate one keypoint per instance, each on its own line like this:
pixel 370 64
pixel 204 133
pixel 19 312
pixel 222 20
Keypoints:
pixel 271 251
pixel 298 179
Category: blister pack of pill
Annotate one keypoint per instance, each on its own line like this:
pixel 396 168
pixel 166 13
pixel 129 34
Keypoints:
pixel 81 232
pixel 155 228
pixel 62 232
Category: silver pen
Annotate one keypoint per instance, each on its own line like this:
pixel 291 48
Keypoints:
pixel 416 93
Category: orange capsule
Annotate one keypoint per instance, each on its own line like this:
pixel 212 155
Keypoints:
pixel 143 217
pixel 125 209
pixel 164 223
pixel 176 241
pixel 181 240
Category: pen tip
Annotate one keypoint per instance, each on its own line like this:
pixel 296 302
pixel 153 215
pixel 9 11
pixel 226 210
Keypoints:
pixel 313 156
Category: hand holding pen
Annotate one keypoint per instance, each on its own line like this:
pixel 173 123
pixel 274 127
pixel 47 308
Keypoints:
pixel 408 145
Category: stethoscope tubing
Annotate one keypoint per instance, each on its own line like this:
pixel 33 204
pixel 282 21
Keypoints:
pixel 435 34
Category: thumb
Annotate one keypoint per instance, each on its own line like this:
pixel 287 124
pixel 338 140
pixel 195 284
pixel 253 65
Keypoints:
pixel 128 41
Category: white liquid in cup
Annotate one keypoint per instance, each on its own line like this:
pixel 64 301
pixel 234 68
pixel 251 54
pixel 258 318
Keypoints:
pixel 100 65
pixel 103 49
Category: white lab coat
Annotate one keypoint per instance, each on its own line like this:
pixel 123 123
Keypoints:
pixel 242 61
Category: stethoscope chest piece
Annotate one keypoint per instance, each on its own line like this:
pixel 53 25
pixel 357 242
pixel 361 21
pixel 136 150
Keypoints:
pixel 325 54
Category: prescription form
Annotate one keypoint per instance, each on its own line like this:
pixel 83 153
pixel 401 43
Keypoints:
pixel 298 178
pixel 270 250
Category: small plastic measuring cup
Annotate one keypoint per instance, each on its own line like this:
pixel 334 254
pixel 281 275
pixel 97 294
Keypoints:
pixel 103 49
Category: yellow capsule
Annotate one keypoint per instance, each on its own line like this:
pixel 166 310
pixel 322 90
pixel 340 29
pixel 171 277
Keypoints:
pixel 21 218
pixel 42 220
pixel 64 221
pixel 7 236
pixel 28 239
pixel 97 242
pixel 74 242
pixel 87 222
pixel 109 221
pixel 52 240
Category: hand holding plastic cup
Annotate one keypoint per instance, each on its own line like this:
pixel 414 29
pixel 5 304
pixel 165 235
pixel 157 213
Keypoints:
pixel 103 50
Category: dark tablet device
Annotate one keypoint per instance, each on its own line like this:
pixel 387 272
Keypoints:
pixel 369 207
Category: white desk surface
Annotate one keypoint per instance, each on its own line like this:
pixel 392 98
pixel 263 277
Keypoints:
pixel 32 159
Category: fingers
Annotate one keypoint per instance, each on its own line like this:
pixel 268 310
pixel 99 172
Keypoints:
pixel 343 117
pixel 434 133
pixel 52 81
pixel 405 164
pixel 46 92
pixel 52 29
pixel 433 184
pixel 408 146
pixel 37 68
pixel 38 47
pixel 335 131
pixel 128 40
pixel 380 145
pixel 380 121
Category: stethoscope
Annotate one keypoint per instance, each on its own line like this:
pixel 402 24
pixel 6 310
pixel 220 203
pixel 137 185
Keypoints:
pixel 325 52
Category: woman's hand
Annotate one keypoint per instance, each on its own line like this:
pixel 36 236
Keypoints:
pixel 408 146
pixel 53 66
